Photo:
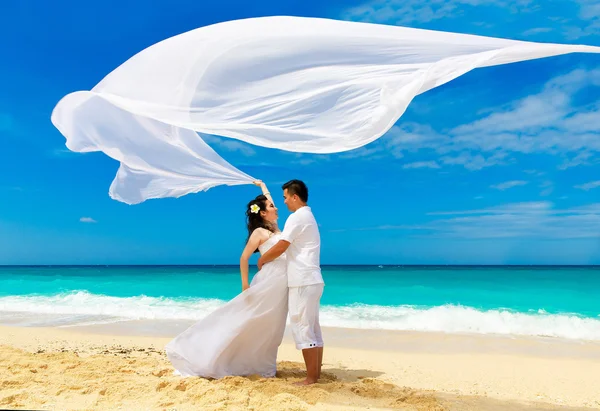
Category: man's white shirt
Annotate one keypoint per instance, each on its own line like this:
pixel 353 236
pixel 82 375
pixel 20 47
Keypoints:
pixel 304 253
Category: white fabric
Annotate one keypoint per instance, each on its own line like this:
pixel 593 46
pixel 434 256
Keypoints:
pixel 304 252
pixel 304 303
pixel 297 84
pixel 241 337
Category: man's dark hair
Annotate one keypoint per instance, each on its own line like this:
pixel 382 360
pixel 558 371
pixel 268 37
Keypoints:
pixel 297 187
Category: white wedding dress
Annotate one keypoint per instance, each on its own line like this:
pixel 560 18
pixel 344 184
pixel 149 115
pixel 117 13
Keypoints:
pixel 241 337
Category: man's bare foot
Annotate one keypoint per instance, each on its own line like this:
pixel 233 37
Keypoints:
pixel 305 382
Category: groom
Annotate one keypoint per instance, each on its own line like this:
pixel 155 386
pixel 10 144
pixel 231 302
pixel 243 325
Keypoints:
pixel 302 243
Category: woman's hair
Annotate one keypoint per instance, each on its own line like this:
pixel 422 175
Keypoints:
pixel 253 219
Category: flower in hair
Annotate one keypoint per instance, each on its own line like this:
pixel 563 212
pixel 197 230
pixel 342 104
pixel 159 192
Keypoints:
pixel 254 209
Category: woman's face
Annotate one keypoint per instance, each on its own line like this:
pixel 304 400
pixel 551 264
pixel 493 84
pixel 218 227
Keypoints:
pixel 270 214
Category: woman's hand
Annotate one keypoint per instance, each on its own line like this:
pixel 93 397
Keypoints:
pixel 245 287
pixel 264 189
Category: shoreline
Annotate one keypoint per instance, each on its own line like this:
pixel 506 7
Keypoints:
pixel 443 371
pixel 381 339
pixel 451 320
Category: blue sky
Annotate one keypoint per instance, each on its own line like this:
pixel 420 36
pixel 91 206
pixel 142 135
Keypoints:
pixel 501 166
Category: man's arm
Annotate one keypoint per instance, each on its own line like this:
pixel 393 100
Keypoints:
pixel 273 253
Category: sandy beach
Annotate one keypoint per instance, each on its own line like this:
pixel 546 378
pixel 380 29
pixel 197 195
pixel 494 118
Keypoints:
pixel 92 368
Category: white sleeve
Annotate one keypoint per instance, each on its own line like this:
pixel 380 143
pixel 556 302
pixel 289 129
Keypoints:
pixel 293 228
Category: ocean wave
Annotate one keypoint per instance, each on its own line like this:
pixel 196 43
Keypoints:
pixel 461 319
pixel 445 318
pixel 126 308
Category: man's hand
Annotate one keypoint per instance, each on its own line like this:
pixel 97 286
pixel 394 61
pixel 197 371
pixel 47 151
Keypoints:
pixel 273 253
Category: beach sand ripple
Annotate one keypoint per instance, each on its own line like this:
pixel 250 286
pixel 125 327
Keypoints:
pixel 139 378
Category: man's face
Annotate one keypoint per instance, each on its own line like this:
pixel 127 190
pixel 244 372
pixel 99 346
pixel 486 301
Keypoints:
pixel 288 200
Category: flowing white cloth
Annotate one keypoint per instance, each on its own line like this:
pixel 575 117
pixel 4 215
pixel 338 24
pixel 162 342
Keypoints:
pixel 241 337
pixel 297 84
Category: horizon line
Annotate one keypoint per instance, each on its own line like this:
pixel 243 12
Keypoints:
pixel 322 265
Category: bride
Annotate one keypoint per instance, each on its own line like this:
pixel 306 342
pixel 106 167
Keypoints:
pixel 242 337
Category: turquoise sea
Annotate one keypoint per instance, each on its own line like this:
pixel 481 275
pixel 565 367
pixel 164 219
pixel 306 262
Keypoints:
pixel 550 301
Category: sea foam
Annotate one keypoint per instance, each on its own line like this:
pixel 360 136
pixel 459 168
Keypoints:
pixel 82 305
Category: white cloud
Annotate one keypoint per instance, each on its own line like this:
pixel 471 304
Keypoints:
pixel 520 220
pixel 589 186
pixel 537 30
pixel 547 188
pixel 405 12
pixel 509 184
pixel 587 22
pixel 573 19
pixel 584 158
pixel 520 208
pixel 543 123
pixel 87 220
pixel 474 162
pixel 422 164
pixel 373 152
pixel 517 127
pixel 412 136
pixel 229 144
pixel 306 160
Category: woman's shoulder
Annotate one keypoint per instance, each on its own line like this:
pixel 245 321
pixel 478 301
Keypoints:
pixel 261 232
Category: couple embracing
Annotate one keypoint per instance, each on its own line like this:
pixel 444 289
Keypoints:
pixel 243 336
